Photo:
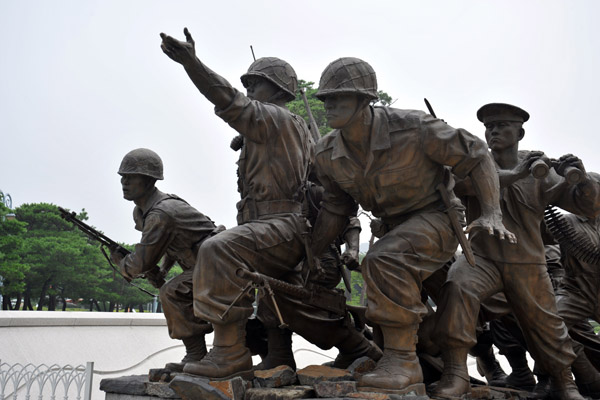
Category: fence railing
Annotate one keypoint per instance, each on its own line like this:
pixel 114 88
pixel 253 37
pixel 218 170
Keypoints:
pixel 42 381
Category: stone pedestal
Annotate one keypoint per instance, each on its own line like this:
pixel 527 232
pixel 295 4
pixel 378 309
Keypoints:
pixel 282 383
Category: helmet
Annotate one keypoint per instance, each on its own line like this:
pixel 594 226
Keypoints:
pixel 277 71
pixel 142 162
pixel 348 75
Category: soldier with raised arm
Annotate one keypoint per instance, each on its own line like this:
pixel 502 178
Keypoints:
pixel 392 162
pixel 517 270
pixel 173 231
pixel 273 167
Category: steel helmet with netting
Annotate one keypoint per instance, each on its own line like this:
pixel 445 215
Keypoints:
pixel 142 162
pixel 276 71
pixel 348 75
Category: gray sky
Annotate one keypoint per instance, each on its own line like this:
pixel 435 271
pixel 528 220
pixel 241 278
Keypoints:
pixel 84 82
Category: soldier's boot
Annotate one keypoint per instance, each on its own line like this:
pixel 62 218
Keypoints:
pixel 521 376
pixel 587 376
pixel 562 386
pixel 228 358
pixel 398 371
pixel 489 367
pixel 454 382
pixel 542 387
pixel 354 346
pixel 195 350
pixel 279 349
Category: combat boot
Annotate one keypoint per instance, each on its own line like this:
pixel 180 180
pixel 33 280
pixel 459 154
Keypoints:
pixel 489 367
pixel 398 371
pixel 587 377
pixel 562 386
pixel 195 350
pixel 521 376
pixel 542 387
pixel 279 350
pixel 228 358
pixel 454 382
pixel 353 347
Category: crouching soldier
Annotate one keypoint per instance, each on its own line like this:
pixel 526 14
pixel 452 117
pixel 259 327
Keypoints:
pixel 173 231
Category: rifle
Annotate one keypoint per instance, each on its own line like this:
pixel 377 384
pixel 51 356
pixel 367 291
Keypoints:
pixel 155 276
pixel 314 128
pixel 332 300
pixel 451 210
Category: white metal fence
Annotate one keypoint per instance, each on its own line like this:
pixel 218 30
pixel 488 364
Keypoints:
pixel 42 381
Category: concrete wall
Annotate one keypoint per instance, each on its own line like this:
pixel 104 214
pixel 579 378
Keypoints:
pixel 119 344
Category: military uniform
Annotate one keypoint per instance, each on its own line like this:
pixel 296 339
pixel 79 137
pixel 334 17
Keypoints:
pixel 517 270
pixel 272 166
pixel 173 229
pixel 406 159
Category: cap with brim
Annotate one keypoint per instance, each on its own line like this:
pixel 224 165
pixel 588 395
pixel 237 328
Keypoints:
pixel 501 112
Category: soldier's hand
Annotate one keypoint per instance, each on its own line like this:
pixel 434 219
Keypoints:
pixel 156 277
pixel 568 160
pixel 492 224
pixel 181 52
pixel 350 258
pixel 523 168
pixel 237 142
pixel 123 270
pixel 116 256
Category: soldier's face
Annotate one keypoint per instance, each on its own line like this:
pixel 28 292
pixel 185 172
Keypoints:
pixel 260 89
pixel 135 186
pixel 501 135
pixel 339 109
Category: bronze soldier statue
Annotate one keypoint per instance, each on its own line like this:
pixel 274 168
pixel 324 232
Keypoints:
pixel 517 270
pixel 577 298
pixel 273 168
pixel 393 163
pixel 173 231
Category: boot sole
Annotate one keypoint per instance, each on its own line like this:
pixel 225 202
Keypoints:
pixel 417 388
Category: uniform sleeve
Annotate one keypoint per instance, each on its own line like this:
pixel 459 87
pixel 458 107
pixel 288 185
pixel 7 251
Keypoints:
pixel 335 200
pixel 457 148
pixel 253 119
pixel 577 199
pixel 156 237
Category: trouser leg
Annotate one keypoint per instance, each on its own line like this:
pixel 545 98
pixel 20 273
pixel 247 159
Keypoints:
pixel 457 317
pixel 177 302
pixel 530 294
pixel 271 249
pixel 529 291
pixel 394 270
pixel 460 301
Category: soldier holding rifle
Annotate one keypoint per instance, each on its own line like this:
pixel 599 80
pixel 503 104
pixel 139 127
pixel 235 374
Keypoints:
pixel 172 230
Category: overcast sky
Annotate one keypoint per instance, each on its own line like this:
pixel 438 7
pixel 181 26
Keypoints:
pixel 84 82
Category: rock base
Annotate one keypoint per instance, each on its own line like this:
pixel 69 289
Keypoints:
pixel 281 383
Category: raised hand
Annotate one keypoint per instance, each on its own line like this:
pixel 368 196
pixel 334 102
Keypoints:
pixel 181 52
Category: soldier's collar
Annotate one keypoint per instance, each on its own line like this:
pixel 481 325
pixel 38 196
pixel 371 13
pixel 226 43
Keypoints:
pixel 380 135
pixel 154 198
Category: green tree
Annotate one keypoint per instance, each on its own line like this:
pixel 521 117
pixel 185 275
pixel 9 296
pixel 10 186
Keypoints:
pixel 12 270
